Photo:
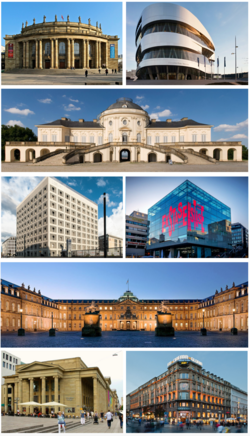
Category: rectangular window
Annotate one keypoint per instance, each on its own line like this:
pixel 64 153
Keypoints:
pixel 92 139
pixel 83 139
pixel 67 139
pixel 194 138
pixel 99 140
pixel 173 139
pixel 203 138
pixel 45 138
pixel 149 140
pixel 75 138
pixel 54 138
pixel 182 138
pixel 157 139
pixel 165 139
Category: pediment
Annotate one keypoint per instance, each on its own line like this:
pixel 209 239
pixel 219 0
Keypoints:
pixel 37 366
pixel 125 129
pixel 129 302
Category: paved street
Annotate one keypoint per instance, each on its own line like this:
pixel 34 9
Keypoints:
pixel 11 423
pixel 98 428
pixel 35 79
pixel 128 167
pixel 128 339
pixel 135 428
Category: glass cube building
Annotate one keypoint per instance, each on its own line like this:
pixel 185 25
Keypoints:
pixel 189 222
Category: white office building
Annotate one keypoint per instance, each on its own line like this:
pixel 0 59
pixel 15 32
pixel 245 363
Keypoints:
pixel 8 364
pixel 9 247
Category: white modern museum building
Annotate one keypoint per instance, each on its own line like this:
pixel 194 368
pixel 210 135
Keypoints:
pixel 123 132
pixel 171 43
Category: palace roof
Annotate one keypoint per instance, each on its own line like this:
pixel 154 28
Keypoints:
pixel 68 123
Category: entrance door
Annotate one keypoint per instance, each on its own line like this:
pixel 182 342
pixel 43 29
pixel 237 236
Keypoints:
pixel 81 158
pixel 128 325
pixel 47 64
pixel 77 63
pixel 90 63
pixel 124 137
pixel 33 63
pixel 62 64
pixel 125 156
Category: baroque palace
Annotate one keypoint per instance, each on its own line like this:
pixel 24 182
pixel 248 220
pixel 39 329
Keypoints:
pixel 66 381
pixel 125 313
pixel 187 390
pixel 61 45
pixel 124 132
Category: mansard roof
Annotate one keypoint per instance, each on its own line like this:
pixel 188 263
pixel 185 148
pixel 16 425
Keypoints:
pixel 69 123
pixel 173 124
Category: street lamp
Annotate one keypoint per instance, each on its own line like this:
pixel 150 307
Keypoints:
pixel 235 53
pixel 52 331
pixel 21 331
pixel 203 330
pixel 234 330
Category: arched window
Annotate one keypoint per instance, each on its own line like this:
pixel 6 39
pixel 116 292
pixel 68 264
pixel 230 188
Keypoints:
pixel 62 48
pixel 47 48
pixel 76 48
pixel 138 137
pixel 110 137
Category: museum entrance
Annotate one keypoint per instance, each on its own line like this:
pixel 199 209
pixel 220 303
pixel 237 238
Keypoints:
pixel 77 63
pixel 47 64
pixel 33 63
pixel 61 64
pixel 124 156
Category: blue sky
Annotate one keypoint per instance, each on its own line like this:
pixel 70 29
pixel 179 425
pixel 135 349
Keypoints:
pixel 144 365
pixel 226 110
pixel 15 189
pixel 109 14
pixel 222 20
pixel 108 280
pixel 144 192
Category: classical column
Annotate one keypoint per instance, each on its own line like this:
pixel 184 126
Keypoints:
pixel 107 55
pixel 52 53
pixel 68 55
pixel 20 391
pixel 56 54
pixel 16 401
pixel 96 54
pixel 43 393
pixel 6 398
pixel 31 392
pixel 56 391
pixel 40 54
pixel 36 55
pixel 83 54
pixel 27 54
pixel 100 54
pixel 72 53
pixel 24 59
pixel 95 395
pixel 87 53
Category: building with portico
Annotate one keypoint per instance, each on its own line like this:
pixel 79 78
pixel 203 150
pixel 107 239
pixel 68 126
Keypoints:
pixel 67 381
pixel 123 132
pixel 61 45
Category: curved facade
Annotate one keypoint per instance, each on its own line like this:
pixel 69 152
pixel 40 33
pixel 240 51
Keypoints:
pixel 61 45
pixel 171 43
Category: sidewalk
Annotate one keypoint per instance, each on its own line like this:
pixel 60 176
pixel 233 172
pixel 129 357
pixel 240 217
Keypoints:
pixel 99 428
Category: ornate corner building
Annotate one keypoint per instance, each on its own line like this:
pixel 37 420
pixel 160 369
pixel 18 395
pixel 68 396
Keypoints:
pixel 67 381
pixel 124 132
pixel 187 390
pixel 61 45
pixel 125 313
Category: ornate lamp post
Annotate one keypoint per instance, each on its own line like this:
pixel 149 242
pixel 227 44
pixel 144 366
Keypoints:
pixel 234 330
pixel 235 53
pixel 203 330
pixel 21 331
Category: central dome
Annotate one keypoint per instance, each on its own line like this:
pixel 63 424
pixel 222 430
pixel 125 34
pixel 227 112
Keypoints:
pixel 125 103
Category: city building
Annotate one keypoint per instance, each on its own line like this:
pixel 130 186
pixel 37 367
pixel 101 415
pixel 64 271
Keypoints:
pixel 127 403
pixel 67 381
pixel 171 43
pixel 113 243
pixel 9 247
pixel 222 310
pixel 55 217
pixel 61 45
pixel 124 132
pixel 239 235
pixel 189 222
pixel 2 58
pixel 239 403
pixel 8 364
pixel 184 390
pixel 137 225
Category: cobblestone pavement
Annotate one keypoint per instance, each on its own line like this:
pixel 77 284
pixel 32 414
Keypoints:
pixel 135 428
pixel 98 428
pixel 129 339
pixel 128 167
pixel 35 79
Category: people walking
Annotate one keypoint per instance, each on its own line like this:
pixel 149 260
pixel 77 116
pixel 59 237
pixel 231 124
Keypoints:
pixel 102 416
pixel 121 420
pixel 86 73
pixel 109 417
pixel 61 423
pixel 107 71
pixel 82 418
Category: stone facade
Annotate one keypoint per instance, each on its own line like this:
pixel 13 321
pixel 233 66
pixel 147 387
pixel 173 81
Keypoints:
pixel 52 214
pixel 184 390
pixel 67 381
pixel 9 247
pixel 123 132
pixel 125 313
pixel 61 45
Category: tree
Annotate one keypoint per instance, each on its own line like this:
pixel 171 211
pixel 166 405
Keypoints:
pixel 16 133
pixel 244 152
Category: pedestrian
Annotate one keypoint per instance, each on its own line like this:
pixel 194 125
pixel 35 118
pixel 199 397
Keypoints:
pixel 107 71
pixel 102 416
pixel 82 418
pixel 115 71
pixel 17 412
pixel 109 417
pixel 61 422
pixel 86 73
pixel 99 70
pixel 112 71
pixel 121 420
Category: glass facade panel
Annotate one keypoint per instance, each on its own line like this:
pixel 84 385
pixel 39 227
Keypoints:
pixel 189 215
pixel 168 52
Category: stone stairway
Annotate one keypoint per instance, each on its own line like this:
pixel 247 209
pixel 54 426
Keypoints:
pixel 53 428
pixel 197 160
pixel 53 160
pixel 49 72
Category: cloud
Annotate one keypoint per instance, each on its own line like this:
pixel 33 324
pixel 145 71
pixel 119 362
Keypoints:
pixel 46 100
pixel 76 101
pixel 15 123
pixel 109 203
pixel 15 110
pixel 139 97
pixel 115 222
pixel 145 107
pixel 101 182
pixel 158 107
pixel 158 115
pixel 72 183
pixel 231 138
pixel 71 107
pixel 231 128
pixel 90 191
